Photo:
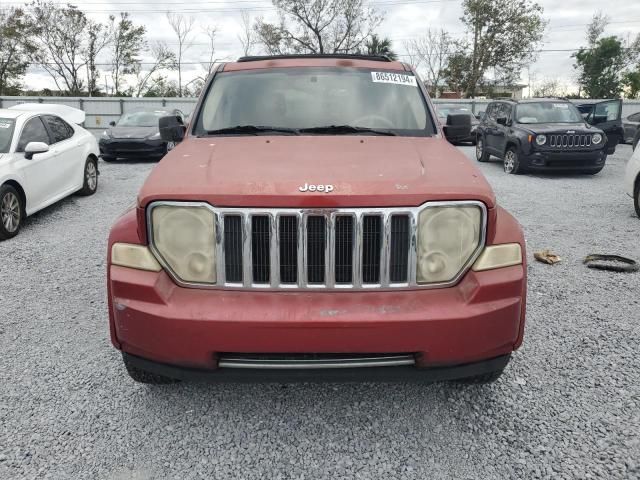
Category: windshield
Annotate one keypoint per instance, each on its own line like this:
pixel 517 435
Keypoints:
pixel 547 112
pixel 6 133
pixel 307 98
pixel 141 119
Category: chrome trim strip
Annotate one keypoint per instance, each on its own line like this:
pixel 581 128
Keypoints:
pixel 329 214
pixel 310 364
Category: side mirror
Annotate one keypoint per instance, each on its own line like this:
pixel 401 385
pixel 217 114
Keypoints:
pixel 112 123
pixel 502 120
pixel 172 129
pixel 34 148
pixel 458 126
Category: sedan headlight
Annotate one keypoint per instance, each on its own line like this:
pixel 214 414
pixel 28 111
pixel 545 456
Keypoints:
pixel 155 136
pixel 541 139
pixel 105 134
pixel 184 238
pixel 447 239
pixel 596 139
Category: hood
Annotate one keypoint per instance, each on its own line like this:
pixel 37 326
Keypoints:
pixel 132 132
pixel 268 171
pixel 559 127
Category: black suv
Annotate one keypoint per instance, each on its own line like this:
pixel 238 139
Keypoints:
pixel 549 134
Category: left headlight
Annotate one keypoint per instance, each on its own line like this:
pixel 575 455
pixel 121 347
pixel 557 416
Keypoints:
pixel 184 236
pixel 155 136
pixel 596 139
pixel 105 134
pixel 447 239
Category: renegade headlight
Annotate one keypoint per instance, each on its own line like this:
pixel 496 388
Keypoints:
pixel 541 139
pixel 184 237
pixel 596 139
pixel 447 239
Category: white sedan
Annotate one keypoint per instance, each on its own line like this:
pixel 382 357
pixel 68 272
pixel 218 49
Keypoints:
pixel 44 156
pixel 632 178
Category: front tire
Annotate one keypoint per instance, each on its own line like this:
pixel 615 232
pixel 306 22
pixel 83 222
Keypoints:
pixel 142 376
pixel 91 173
pixel 12 212
pixel 481 152
pixel 512 161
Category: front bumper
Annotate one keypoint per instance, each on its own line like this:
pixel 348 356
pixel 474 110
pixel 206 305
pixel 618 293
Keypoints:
pixel 126 147
pixel 479 319
pixel 564 160
pixel 378 374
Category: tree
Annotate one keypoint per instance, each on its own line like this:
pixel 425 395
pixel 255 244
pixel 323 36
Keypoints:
pixel 603 65
pixel 248 36
pixel 632 83
pixel 147 80
pixel 318 26
pixel 127 40
pixel 211 31
pixel 98 38
pixel 182 27
pixel 62 45
pixel 550 87
pixel 379 46
pixel 458 70
pixel 502 34
pixel 430 53
pixel 16 46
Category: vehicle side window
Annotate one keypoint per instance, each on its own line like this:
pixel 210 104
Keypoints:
pixel 491 111
pixel 503 110
pixel 606 112
pixel 60 129
pixel 33 131
pixel 635 117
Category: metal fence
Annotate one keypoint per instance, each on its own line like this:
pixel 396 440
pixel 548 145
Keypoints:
pixel 102 110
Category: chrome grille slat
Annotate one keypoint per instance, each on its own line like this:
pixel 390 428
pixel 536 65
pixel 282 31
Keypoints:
pixel 269 248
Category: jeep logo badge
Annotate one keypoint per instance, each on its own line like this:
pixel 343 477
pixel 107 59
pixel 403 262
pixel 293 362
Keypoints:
pixel 316 188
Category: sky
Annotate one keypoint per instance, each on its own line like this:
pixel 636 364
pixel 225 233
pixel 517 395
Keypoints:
pixel 403 20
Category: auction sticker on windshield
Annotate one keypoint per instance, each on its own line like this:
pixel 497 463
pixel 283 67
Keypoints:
pixel 397 78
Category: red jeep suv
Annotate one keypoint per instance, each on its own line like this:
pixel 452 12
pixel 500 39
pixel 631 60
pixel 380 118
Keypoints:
pixel 313 223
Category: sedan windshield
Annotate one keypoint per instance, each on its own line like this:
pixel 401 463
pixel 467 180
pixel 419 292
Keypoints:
pixel 6 133
pixel 141 119
pixel 547 112
pixel 314 101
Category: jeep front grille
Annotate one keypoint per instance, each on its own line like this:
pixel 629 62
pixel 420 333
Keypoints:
pixel 351 248
pixel 569 141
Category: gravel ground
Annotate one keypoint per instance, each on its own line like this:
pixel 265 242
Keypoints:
pixel 568 405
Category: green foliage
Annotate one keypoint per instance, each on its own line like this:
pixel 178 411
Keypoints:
pixel 379 46
pixel 603 65
pixel 16 46
pixel 458 70
pixel 127 42
pixel 632 83
pixel 500 34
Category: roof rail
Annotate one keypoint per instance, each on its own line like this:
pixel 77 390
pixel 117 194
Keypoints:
pixel 510 99
pixel 351 56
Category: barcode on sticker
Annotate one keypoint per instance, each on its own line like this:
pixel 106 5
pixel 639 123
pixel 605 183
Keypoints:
pixel 397 78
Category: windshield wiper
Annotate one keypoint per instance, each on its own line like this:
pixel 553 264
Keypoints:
pixel 345 129
pixel 252 130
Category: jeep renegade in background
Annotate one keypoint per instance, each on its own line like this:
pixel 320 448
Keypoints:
pixel 314 223
pixel 549 134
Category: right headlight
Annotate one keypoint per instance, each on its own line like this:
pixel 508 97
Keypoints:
pixel 596 139
pixel 184 237
pixel 447 239
pixel 541 139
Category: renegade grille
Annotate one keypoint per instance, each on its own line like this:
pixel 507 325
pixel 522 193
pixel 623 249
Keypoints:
pixel 315 249
pixel 569 141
